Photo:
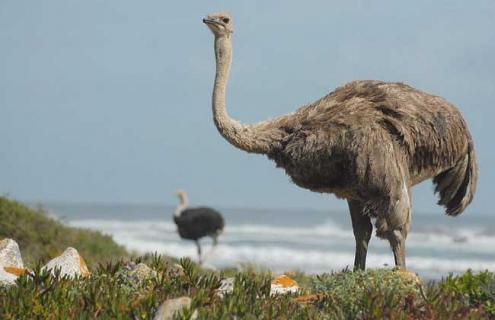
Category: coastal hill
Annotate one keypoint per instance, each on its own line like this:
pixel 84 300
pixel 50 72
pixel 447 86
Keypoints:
pixel 41 237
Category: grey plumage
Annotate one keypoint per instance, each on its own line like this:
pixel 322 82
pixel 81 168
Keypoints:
pixel 367 142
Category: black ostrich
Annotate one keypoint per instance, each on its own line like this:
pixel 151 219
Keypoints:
pixel 196 223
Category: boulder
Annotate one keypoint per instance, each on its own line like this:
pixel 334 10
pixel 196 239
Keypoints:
pixel 172 307
pixel 226 287
pixel 177 269
pixel 70 263
pixel 10 255
pixel 282 285
pixel 6 278
pixel 17 271
pixel 11 265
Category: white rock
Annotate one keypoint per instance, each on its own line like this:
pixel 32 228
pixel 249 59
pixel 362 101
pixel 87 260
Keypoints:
pixel 70 263
pixel 280 285
pixel 6 279
pixel 11 265
pixel 283 285
pixel 10 255
pixel 172 307
pixel 226 287
pixel 177 269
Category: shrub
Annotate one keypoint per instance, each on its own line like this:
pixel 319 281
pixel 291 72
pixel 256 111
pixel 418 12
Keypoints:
pixel 41 238
pixel 373 294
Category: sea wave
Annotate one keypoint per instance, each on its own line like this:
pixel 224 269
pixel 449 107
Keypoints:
pixel 462 239
pixel 318 248
pixel 280 259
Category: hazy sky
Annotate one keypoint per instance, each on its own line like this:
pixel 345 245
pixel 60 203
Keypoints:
pixel 109 101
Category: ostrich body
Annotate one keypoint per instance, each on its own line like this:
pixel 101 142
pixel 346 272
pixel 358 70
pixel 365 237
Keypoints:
pixel 196 223
pixel 367 142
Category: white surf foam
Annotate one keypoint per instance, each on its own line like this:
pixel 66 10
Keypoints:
pixel 320 248
pixel 312 261
pixel 461 240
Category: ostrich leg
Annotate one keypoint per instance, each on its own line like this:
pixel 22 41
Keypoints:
pixel 398 221
pixel 200 261
pixel 397 239
pixel 214 237
pixel 361 225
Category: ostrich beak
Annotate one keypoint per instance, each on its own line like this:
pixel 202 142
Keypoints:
pixel 210 21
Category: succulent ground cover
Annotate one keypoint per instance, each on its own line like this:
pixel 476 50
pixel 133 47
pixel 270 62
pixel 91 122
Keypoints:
pixel 372 294
pixel 128 287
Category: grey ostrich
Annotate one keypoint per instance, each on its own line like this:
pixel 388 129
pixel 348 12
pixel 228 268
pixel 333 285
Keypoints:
pixel 367 142
pixel 196 223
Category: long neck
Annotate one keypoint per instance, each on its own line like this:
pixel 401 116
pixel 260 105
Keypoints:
pixel 249 138
pixel 182 205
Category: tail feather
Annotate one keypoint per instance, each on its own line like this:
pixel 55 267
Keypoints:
pixel 457 185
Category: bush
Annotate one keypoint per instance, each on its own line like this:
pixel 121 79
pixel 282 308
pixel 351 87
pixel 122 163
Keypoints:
pixel 373 294
pixel 41 238
pixel 477 289
pixel 110 294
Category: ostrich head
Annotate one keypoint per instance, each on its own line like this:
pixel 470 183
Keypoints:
pixel 182 195
pixel 219 23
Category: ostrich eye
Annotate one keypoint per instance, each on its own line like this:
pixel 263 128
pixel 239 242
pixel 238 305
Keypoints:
pixel 225 20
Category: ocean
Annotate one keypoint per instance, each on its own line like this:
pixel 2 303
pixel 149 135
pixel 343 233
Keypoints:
pixel 313 241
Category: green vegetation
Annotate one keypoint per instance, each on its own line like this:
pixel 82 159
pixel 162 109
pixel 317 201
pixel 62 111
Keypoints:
pixel 41 238
pixel 110 294
pixel 373 294
pixel 477 289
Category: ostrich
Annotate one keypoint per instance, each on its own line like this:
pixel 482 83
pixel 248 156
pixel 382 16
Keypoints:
pixel 196 223
pixel 367 142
